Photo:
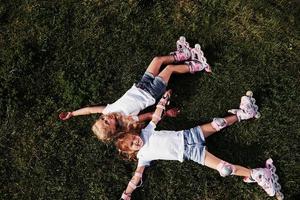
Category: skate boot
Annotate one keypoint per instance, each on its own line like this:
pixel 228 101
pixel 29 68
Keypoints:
pixel 248 108
pixel 267 179
pixel 183 52
pixel 198 55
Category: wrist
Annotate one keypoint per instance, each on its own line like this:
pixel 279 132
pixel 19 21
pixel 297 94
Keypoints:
pixel 126 195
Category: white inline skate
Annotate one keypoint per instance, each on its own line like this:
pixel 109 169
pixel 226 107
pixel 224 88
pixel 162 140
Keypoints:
pixel 182 44
pixel 248 108
pixel 267 179
pixel 198 55
pixel 183 52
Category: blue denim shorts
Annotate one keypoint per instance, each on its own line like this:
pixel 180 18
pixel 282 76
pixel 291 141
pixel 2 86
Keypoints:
pixel 194 145
pixel 155 86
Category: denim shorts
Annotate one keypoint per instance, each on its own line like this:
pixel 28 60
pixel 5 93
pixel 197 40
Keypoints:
pixel 194 145
pixel 155 86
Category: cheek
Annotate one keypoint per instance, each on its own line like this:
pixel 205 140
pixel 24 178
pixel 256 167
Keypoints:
pixel 141 141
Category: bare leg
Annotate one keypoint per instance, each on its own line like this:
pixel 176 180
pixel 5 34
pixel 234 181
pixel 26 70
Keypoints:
pixel 157 62
pixel 170 69
pixel 208 130
pixel 212 161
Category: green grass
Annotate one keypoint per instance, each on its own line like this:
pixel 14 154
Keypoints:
pixel 62 55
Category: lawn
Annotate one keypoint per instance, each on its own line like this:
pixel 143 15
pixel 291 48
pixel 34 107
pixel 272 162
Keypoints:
pixel 63 55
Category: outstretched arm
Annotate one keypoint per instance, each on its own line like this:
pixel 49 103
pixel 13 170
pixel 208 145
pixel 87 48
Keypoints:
pixel 173 112
pixel 81 111
pixel 133 183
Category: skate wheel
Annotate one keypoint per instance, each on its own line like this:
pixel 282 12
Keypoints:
pixel 258 115
pixel 279 196
pixel 278 187
pixel 253 100
pixel 269 162
pixel 275 177
pixel 198 47
pixel 203 60
pixel 249 93
pixel 272 168
pixel 182 39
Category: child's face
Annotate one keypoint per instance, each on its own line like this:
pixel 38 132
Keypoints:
pixel 107 122
pixel 134 142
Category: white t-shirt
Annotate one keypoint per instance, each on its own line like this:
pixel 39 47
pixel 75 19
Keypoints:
pixel 160 145
pixel 131 103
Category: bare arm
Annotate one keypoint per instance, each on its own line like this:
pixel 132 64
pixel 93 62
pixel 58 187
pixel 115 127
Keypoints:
pixel 173 112
pixel 145 116
pixel 88 110
pixel 81 111
pixel 133 183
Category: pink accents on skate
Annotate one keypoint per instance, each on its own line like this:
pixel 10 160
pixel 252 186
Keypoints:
pixel 268 179
pixel 248 108
pixel 196 66
pixel 181 55
pixel 198 55
pixel 263 177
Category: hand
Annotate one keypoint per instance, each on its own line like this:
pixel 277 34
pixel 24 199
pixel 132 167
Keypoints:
pixel 173 112
pixel 165 100
pixel 65 115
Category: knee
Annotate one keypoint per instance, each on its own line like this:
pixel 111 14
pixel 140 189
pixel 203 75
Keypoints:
pixel 157 59
pixel 226 169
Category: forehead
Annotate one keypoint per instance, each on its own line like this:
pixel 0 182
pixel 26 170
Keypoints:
pixel 128 138
pixel 99 123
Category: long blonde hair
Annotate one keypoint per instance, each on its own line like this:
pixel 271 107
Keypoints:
pixel 123 148
pixel 123 124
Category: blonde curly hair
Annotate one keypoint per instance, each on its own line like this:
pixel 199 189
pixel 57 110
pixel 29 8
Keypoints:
pixel 123 124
